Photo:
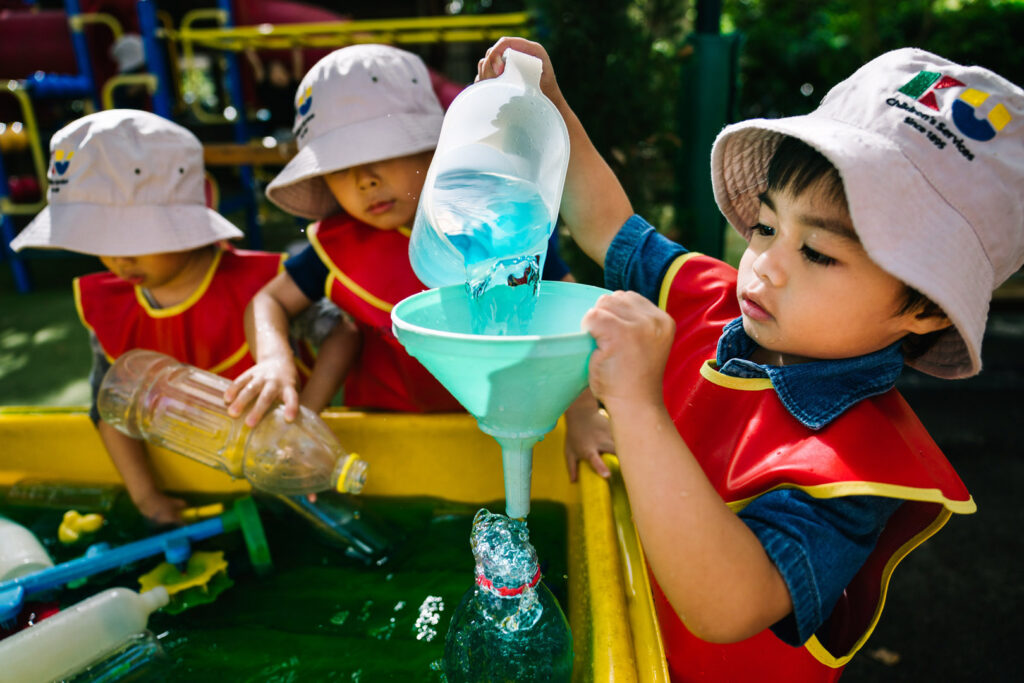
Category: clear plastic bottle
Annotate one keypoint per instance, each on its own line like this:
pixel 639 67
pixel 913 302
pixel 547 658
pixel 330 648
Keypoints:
pixel 491 195
pixel 148 395
pixel 77 636
pixel 342 523
pixel 508 626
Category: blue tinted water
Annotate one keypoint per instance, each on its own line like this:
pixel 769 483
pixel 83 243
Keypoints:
pixel 496 229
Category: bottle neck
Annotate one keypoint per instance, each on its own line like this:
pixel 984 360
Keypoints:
pixel 507 592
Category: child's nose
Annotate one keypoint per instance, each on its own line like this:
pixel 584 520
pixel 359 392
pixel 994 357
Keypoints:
pixel 769 266
pixel 366 179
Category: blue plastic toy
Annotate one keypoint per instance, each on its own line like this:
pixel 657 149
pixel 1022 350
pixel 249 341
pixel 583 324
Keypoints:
pixel 175 545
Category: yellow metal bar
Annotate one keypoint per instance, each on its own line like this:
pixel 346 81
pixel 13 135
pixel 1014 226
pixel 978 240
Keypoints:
pixel 324 34
pixel 651 664
pixel 611 648
pixel 78 21
pixel 188 58
pixel 107 95
pixel 28 119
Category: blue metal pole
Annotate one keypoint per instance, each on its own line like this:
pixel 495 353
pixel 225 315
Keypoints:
pixel 241 126
pixel 81 48
pixel 21 279
pixel 155 62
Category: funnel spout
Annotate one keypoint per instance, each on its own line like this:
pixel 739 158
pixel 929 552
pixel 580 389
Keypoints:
pixel 517 462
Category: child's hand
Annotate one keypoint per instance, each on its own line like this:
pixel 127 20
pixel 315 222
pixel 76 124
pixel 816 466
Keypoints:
pixel 161 509
pixel 493 63
pixel 633 341
pixel 588 434
pixel 264 383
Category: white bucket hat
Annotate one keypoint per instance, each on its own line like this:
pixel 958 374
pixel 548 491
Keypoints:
pixel 125 183
pixel 357 105
pixel 931 155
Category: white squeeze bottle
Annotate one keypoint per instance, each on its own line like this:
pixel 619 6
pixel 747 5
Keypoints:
pixel 77 636
pixel 148 395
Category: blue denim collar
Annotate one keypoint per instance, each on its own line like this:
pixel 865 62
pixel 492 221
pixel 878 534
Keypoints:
pixel 816 392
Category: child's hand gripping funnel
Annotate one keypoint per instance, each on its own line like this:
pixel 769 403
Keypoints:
pixel 516 386
pixel 491 195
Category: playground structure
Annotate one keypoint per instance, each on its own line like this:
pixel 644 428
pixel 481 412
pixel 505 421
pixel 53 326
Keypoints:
pixel 212 72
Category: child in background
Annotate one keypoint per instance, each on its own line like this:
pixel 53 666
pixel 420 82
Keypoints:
pixel 127 186
pixel 367 121
pixel 775 474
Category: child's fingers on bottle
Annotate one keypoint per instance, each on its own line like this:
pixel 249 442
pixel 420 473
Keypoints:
pixel 290 398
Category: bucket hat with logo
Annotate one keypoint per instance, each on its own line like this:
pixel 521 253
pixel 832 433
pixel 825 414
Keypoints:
pixel 125 182
pixel 931 155
pixel 357 105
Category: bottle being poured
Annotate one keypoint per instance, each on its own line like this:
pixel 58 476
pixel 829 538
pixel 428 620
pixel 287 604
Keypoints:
pixel 508 626
pixel 150 396
pixel 491 196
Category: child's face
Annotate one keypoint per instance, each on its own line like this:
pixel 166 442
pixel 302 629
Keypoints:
pixel 383 194
pixel 808 290
pixel 150 271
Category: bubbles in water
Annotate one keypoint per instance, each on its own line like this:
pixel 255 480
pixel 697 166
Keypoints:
pixel 429 616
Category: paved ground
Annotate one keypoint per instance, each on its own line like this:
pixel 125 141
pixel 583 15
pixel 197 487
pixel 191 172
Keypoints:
pixel 954 608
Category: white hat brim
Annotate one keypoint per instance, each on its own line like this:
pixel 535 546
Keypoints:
pixel 882 187
pixel 103 230
pixel 298 188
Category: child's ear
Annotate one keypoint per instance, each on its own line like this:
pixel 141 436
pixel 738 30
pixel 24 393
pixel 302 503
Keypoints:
pixel 925 323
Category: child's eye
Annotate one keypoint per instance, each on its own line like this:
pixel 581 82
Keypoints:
pixel 763 230
pixel 816 256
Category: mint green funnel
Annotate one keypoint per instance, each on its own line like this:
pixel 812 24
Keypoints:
pixel 515 386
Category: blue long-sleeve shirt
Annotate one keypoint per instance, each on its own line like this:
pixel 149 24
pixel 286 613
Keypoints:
pixel 818 545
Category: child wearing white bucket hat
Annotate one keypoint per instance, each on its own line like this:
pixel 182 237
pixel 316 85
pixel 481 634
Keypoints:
pixel 366 121
pixel 127 186
pixel 776 476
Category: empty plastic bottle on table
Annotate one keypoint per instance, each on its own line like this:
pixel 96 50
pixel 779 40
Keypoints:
pixel 491 196
pixel 77 636
pixel 148 395
pixel 508 626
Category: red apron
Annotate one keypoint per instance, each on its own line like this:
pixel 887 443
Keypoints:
pixel 206 330
pixel 877 447
pixel 370 273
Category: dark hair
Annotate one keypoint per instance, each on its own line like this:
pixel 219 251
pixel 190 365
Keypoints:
pixel 794 168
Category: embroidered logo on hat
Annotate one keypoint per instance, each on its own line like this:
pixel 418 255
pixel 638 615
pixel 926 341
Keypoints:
pixel 303 107
pixel 60 162
pixel 923 87
pixel 305 102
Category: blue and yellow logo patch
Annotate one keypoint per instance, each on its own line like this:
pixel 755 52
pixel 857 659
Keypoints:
pixel 61 162
pixel 305 102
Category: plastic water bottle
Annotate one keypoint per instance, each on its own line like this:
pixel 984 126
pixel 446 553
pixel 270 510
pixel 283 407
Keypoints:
pixel 78 636
pixel 508 626
pixel 340 522
pixel 491 196
pixel 148 395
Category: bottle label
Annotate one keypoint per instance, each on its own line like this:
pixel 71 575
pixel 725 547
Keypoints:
pixel 484 582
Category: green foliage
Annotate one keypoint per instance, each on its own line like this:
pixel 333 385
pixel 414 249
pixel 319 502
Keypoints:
pixel 792 54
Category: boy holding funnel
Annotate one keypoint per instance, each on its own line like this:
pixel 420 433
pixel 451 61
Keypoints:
pixel 777 476
pixel 366 122
pixel 127 186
